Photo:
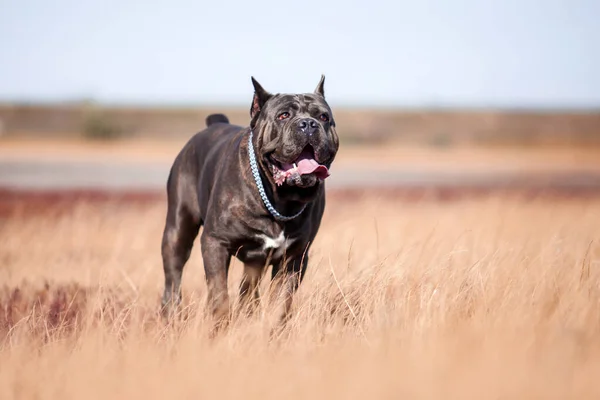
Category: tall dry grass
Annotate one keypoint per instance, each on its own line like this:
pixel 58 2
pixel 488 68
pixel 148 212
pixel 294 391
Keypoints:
pixel 472 299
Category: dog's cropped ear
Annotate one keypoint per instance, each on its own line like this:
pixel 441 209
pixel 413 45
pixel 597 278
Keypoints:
pixel 260 98
pixel 320 90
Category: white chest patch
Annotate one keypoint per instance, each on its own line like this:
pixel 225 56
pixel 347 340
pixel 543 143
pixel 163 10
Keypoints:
pixel 270 243
pixel 277 245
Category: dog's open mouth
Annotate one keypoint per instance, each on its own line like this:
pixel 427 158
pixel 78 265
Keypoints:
pixel 305 164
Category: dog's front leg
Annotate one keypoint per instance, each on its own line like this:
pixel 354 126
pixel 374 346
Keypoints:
pixel 287 277
pixel 216 259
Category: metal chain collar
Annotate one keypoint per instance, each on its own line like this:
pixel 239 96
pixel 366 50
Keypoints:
pixel 261 189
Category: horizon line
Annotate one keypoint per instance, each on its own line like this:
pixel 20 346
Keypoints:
pixel 490 106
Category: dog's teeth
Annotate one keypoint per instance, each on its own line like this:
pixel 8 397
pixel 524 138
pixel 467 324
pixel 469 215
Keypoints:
pixel 295 166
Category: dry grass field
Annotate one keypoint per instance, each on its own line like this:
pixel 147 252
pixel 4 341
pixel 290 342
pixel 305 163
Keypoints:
pixel 490 297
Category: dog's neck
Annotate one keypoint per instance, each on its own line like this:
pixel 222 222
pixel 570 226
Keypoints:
pixel 282 210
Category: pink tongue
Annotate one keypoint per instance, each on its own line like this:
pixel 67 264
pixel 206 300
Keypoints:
pixel 307 165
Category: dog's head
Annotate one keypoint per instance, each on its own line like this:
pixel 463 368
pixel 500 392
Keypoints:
pixel 295 138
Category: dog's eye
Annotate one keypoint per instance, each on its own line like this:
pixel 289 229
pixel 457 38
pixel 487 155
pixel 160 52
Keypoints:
pixel 283 116
pixel 324 117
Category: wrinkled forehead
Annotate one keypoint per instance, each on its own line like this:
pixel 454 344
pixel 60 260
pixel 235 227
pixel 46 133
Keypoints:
pixel 297 102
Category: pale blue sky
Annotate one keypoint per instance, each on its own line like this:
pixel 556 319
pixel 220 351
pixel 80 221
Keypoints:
pixel 422 52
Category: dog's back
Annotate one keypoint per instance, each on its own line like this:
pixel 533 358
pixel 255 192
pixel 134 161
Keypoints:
pixel 198 157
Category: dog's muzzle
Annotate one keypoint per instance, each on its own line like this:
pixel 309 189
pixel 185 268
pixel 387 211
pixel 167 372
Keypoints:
pixel 304 164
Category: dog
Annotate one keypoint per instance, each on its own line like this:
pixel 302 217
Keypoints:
pixel 257 191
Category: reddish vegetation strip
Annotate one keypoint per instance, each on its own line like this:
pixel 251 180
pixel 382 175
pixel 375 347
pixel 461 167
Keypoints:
pixel 57 202
pixel 57 310
pixel 60 306
pixel 30 203
pixel 452 193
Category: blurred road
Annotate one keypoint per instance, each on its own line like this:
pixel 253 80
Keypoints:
pixel 81 174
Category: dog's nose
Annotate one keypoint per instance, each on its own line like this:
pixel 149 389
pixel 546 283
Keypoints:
pixel 308 125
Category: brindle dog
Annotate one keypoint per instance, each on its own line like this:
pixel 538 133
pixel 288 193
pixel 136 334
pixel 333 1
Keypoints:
pixel 212 184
